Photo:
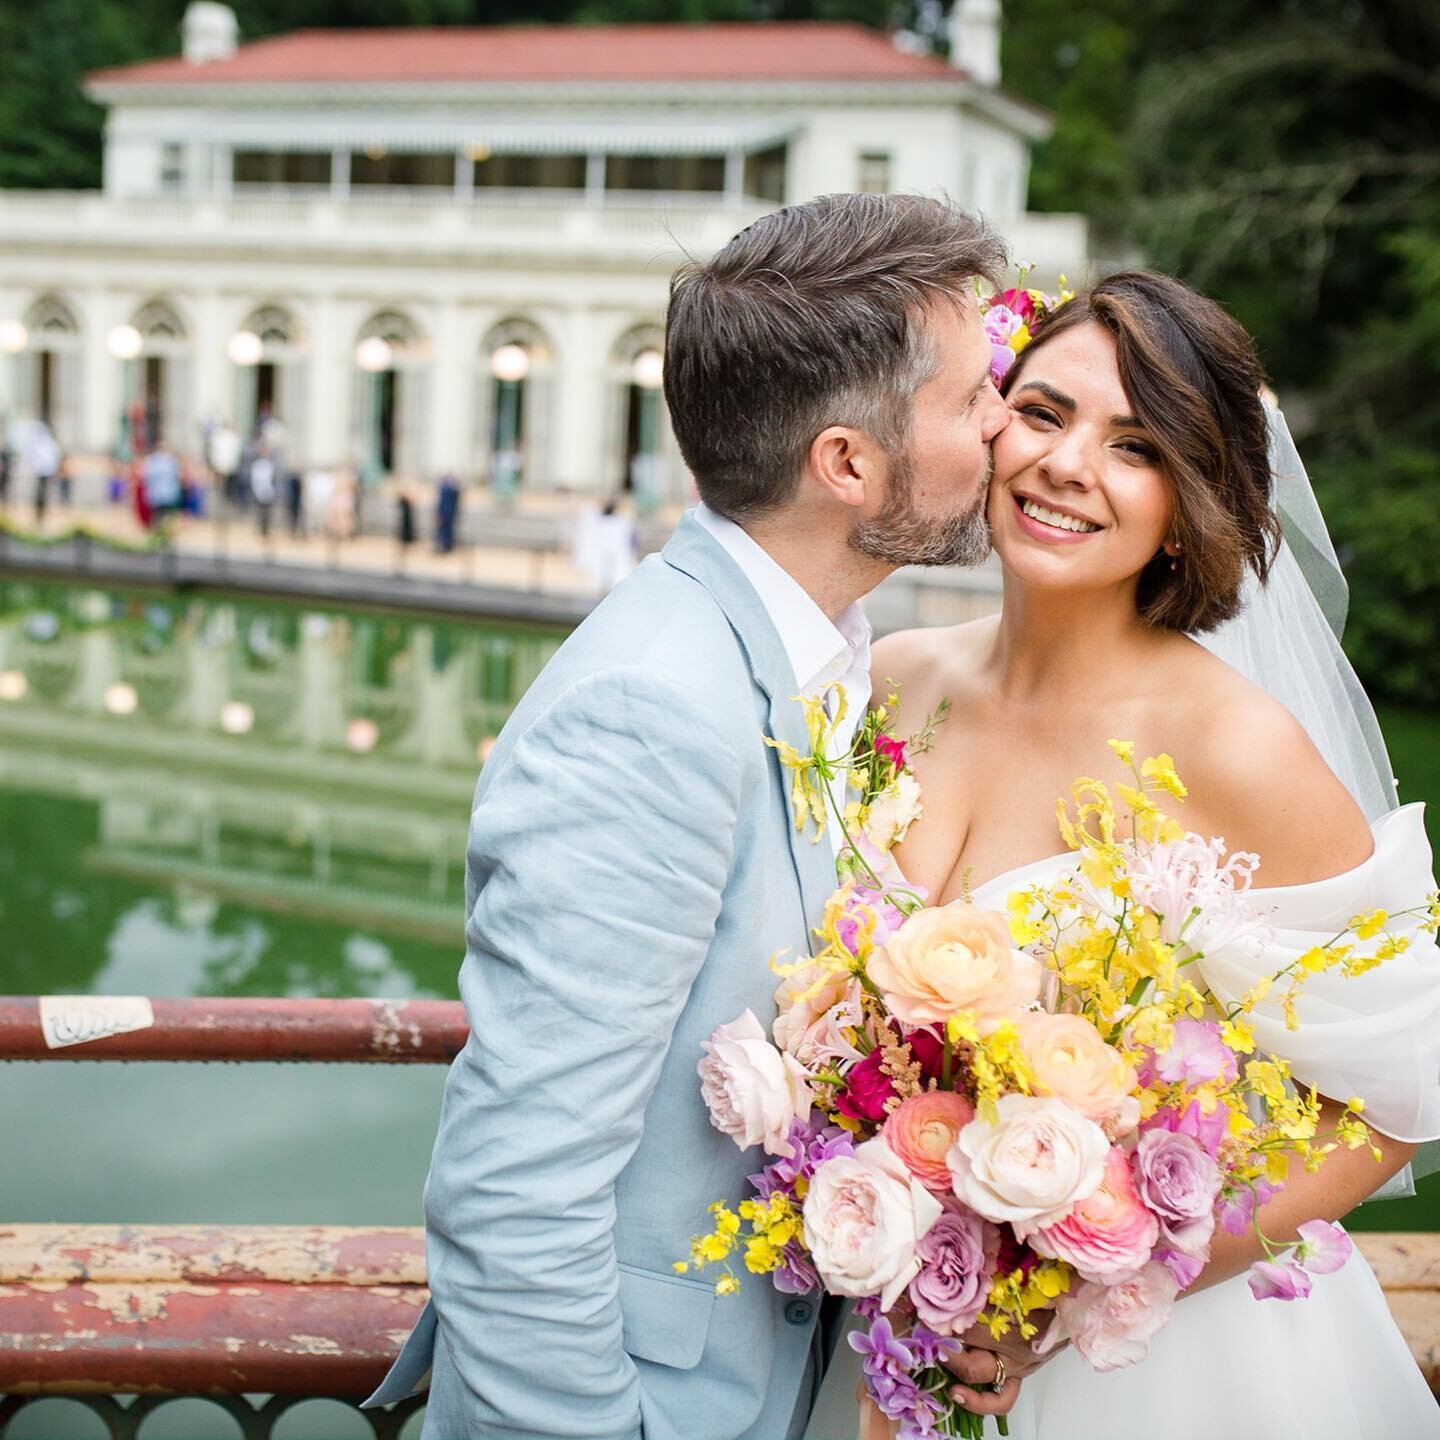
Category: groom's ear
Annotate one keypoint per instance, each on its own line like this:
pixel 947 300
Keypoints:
pixel 847 466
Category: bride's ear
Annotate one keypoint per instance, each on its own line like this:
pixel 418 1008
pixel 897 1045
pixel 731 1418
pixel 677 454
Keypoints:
pixel 847 466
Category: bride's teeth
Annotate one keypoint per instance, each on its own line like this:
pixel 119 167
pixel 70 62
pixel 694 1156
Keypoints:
pixel 1056 519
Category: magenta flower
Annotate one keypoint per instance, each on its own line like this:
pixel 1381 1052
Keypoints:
pixel 1279 1279
pixel 1324 1247
pixel 892 749
pixel 1020 302
pixel 867 1088
pixel 1197 1055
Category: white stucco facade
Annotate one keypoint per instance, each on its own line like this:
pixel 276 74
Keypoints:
pixel 447 275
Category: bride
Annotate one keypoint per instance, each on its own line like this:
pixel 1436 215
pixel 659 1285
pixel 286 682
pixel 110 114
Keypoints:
pixel 1131 508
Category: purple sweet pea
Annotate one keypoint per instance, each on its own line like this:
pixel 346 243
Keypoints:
pixel 812 1142
pixel 1185 1268
pixel 796 1274
pixel 1177 1181
pixel 1325 1247
pixel 1197 1055
pixel 1002 357
pixel 1280 1279
pixel 1209 1129
pixel 1237 1210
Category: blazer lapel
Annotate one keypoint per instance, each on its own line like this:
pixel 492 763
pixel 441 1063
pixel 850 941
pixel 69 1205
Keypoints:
pixel 696 553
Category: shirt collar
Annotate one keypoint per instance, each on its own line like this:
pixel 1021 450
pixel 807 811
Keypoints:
pixel 820 650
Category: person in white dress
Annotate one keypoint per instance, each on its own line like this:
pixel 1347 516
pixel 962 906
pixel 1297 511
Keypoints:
pixel 1131 508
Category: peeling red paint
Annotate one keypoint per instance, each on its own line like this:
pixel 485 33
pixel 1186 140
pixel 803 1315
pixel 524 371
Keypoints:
pixel 411 1032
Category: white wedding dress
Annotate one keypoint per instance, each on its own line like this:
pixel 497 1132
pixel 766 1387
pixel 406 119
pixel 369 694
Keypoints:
pixel 1330 1367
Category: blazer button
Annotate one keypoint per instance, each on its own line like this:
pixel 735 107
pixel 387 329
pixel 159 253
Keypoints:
pixel 799 1312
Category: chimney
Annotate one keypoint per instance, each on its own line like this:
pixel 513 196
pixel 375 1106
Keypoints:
pixel 975 39
pixel 209 32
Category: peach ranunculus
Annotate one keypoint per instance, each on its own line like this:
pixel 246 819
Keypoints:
pixel 952 958
pixel 1108 1235
pixel 1033 1165
pixel 1071 1061
pixel 921 1131
pixel 864 1216
pixel 752 1090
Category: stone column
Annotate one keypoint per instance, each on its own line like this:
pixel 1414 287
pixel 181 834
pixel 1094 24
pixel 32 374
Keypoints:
pixel 578 452
pixel 450 391
pixel 331 361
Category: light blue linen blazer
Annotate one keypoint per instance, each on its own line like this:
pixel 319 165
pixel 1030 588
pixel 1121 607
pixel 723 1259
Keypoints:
pixel 632 867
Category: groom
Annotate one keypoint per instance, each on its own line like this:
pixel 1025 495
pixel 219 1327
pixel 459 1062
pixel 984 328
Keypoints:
pixel 633 863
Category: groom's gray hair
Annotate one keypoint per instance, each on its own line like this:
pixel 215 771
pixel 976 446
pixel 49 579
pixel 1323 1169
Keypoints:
pixel 813 316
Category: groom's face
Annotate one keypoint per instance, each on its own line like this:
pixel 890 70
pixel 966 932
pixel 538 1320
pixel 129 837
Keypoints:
pixel 934 510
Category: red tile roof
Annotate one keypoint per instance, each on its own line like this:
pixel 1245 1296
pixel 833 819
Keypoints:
pixel 774 50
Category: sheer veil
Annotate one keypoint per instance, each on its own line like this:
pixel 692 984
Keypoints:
pixel 1286 640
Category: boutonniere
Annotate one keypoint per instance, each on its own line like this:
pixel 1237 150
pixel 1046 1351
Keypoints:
pixel 882 796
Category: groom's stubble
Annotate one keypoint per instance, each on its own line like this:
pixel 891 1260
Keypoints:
pixel 901 535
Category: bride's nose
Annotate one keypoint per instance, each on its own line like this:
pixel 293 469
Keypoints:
pixel 1073 460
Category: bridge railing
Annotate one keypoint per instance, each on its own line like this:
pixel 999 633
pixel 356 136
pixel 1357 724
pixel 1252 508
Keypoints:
pixel 255 1319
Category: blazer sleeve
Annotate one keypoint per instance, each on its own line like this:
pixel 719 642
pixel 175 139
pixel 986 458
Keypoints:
pixel 599 856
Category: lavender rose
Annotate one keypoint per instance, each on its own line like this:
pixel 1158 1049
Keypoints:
pixel 957 1255
pixel 1178 1182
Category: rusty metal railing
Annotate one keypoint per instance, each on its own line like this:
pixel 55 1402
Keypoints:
pixel 123 1319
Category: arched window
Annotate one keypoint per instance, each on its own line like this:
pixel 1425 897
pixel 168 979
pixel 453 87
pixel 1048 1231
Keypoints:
pixel 49 369
pixel 513 405
pixel 392 370
pixel 157 383
pixel 270 376
pixel 642 447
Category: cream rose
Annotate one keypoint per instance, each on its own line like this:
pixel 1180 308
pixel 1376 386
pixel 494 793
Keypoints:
pixel 1032 1165
pixel 1069 1060
pixel 753 1091
pixel 805 997
pixel 954 958
pixel 864 1215
pixel 894 812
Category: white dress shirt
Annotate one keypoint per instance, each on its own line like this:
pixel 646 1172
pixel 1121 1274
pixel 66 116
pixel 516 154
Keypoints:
pixel 822 652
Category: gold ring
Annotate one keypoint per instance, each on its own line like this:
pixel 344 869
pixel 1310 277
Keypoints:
pixel 998 1383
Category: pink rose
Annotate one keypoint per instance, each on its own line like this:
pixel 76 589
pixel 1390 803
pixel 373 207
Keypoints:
pixel 1179 1182
pixel 1033 1165
pixel 958 1257
pixel 923 1128
pixel 1070 1060
pixel 953 958
pixel 1112 1325
pixel 1108 1234
pixel 864 1215
pixel 753 1092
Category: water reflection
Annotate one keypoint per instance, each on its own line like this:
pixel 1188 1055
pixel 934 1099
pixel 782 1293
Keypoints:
pixel 214 796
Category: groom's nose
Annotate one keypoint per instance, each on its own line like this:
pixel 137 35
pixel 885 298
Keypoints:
pixel 997 415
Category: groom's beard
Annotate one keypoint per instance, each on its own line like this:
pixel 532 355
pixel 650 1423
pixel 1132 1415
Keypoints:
pixel 900 535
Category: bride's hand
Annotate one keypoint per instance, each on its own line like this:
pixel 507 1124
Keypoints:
pixel 977 1364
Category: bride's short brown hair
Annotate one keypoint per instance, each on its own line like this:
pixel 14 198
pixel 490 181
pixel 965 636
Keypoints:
pixel 1193 378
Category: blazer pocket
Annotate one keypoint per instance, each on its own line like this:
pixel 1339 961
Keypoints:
pixel 666 1318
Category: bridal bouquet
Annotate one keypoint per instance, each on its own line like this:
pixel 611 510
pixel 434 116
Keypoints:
pixel 1035 1120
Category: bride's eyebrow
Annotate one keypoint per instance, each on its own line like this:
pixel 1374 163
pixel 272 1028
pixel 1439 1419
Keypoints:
pixel 1054 396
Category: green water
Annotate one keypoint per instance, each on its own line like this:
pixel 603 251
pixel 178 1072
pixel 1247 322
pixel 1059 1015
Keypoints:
pixel 211 796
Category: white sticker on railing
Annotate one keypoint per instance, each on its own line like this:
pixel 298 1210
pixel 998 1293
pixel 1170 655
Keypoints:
pixel 74 1019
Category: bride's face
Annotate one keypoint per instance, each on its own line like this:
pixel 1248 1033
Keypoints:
pixel 1078 497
